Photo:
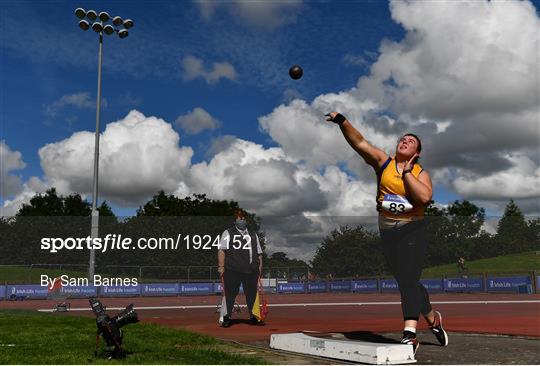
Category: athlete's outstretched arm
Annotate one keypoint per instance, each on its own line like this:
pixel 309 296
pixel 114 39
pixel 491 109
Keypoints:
pixel 371 154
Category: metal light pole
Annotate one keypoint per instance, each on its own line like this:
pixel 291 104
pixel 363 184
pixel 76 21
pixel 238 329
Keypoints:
pixel 99 26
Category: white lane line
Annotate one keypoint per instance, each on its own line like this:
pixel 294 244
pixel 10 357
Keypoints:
pixel 187 307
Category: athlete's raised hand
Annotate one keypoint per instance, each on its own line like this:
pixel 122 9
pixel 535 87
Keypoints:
pixel 410 163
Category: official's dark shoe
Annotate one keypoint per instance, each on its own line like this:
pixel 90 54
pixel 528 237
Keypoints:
pixel 254 321
pixel 411 340
pixel 226 322
pixel 439 331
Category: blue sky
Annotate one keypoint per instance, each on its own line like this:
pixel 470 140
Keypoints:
pixel 393 67
pixel 51 57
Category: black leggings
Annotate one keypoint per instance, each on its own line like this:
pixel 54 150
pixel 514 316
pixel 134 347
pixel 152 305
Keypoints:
pixel 232 281
pixel 404 249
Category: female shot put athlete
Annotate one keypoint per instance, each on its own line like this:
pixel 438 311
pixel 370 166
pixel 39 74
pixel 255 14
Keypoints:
pixel 404 190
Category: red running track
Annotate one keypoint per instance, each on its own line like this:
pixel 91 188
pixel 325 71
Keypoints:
pixel 508 314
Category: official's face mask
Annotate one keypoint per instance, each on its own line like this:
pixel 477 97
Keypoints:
pixel 240 224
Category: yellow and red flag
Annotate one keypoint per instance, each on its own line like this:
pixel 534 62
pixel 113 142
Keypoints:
pixel 260 306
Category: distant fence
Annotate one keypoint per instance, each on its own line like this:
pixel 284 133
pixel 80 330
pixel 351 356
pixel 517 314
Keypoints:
pixel 31 273
pixel 151 282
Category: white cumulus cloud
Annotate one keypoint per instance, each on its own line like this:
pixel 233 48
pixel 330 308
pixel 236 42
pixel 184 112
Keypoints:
pixel 139 156
pixel 301 130
pixel 298 203
pixel 521 180
pixel 465 78
pixel 459 58
pixel 29 189
pixel 10 161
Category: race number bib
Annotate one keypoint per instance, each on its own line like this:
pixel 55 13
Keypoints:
pixel 396 204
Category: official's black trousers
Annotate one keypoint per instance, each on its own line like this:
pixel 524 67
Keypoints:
pixel 232 281
pixel 404 249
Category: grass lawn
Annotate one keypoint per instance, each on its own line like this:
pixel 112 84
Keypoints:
pixel 55 338
pixel 519 263
pixel 26 275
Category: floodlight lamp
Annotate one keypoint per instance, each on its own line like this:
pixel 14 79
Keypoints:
pixel 84 25
pixel 108 29
pixel 97 27
pixel 123 33
pixel 91 14
pixel 117 21
pixel 80 13
pixel 128 23
pixel 104 16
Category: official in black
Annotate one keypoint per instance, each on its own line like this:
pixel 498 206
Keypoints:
pixel 240 263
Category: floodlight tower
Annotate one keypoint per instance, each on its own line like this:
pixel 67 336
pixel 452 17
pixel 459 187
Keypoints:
pixel 100 25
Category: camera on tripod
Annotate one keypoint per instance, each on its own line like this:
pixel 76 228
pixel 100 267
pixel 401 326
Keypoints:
pixel 110 328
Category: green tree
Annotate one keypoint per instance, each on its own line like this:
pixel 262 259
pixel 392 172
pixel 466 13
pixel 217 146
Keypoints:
pixel 106 210
pixel 48 215
pixel 533 234
pixel 279 258
pixel 512 230
pixel 197 220
pixel 452 231
pixel 484 246
pixel 439 233
pixel 52 204
pixel 49 204
pixel 198 205
pixel 349 252
pixel 467 218
pixel 282 266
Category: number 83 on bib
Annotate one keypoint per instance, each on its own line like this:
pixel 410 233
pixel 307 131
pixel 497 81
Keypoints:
pixel 396 204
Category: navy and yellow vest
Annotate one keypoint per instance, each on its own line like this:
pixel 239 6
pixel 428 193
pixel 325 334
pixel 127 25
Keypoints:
pixel 390 182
